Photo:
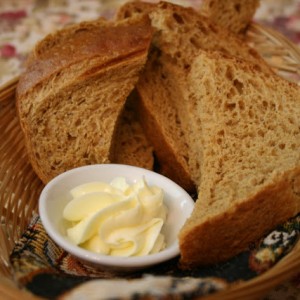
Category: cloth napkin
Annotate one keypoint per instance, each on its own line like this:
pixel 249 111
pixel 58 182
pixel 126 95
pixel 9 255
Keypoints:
pixel 46 270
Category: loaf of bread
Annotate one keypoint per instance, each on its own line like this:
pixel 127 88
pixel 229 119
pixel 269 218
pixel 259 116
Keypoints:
pixel 74 88
pixel 235 15
pixel 246 129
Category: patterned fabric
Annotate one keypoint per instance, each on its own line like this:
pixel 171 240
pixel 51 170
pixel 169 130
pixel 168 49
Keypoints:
pixel 39 263
pixel 274 246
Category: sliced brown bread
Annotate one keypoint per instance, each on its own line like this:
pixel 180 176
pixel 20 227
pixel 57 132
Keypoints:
pixel 133 8
pixel 74 88
pixel 179 33
pixel 247 138
pixel 131 145
pixel 235 15
pixel 154 106
pixel 156 109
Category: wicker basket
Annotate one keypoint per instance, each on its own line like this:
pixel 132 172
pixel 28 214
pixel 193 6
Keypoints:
pixel 20 187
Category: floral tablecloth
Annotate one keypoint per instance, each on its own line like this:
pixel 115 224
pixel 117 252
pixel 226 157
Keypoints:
pixel 24 22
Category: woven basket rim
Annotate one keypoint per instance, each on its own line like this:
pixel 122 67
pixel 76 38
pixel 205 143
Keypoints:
pixel 287 266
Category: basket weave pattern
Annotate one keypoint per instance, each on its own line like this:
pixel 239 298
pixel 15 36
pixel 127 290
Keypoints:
pixel 281 54
pixel 20 187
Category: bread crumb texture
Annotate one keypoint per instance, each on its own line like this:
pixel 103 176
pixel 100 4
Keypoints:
pixel 182 31
pixel 132 147
pixel 235 15
pixel 249 148
pixel 74 89
pixel 161 123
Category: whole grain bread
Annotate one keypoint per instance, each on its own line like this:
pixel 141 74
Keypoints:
pixel 246 134
pixel 132 8
pixel 181 31
pixel 131 144
pixel 74 88
pixel 179 34
pixel 235 15
pixel 156 110
pixel 240 123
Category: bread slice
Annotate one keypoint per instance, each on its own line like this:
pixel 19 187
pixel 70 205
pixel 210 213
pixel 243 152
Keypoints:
pixel 74 88
pixel 153 108
pixel 247 138
pixel 160 122
pixel 179 33
pixel 131 145
pixel 133 8
pixel 235 15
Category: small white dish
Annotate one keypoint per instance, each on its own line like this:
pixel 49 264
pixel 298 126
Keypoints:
pixel 56 194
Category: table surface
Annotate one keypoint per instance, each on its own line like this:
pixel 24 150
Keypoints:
pixel 24 22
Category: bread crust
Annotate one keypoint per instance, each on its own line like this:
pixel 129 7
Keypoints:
pixel 225 235
pixel 59 83
pixel 87 40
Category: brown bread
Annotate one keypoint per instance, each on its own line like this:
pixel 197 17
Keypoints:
pixel 179 33
pixel 154 110
pixel 220 120
pixel 132 8
pixel 131 145
pixel 160 122
pixel 240 122
pixel 246 134
pixel 235 15
pixel 71 95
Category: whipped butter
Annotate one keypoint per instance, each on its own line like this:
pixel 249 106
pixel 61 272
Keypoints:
pixel 117 219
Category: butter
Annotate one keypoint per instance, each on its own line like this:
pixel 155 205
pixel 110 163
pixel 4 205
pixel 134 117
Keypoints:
pixel 117 219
